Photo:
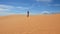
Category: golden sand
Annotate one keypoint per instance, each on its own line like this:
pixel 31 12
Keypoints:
pixel 38 24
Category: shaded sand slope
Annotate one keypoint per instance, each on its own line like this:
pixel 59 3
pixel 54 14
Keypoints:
pixel 39 24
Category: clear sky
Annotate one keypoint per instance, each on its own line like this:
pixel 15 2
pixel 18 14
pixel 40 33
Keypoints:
pixel 8 7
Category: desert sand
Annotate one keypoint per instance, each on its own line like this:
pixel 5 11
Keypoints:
pixel 34 24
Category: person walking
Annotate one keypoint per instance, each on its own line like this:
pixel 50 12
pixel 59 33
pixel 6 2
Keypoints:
pixel 27 13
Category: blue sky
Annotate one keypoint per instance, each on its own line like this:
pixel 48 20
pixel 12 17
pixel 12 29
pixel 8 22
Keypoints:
pixel 8 7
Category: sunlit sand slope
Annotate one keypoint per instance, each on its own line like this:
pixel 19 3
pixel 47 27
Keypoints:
pixel 39 24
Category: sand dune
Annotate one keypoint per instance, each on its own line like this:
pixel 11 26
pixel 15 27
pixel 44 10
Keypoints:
pixel 38 24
